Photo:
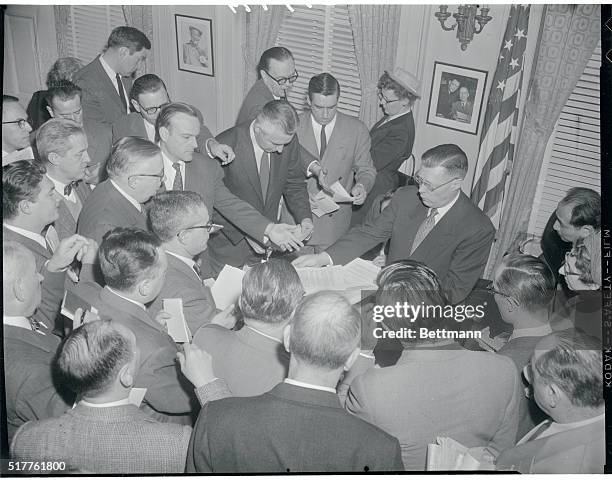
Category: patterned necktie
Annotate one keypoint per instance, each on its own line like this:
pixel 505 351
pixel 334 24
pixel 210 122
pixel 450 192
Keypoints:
pixel 68 188
pixel 178 177
pixel 52 239
pixel 323 142
pixel 424 229
pixel 264 173
pixel 197 270
pixel 37 326
pixel 121 93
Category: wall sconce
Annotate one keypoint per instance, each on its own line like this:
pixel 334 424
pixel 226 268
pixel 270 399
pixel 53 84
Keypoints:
pixel 467 22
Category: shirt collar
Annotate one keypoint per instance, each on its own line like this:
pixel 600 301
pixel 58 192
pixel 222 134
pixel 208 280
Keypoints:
pixel 59 188
pixel 539 331
pixel 138 304
pixel 397 115
pixel 259 332
pixel 329 128
pixel 18 321
pixel 170 172
pixel 256 148
pixel 128 197
pixel 297 383
pixel 37 237
pixel 188 261
pixel 150 129
pixel 442 210
pixel 107 68
pixel 117 403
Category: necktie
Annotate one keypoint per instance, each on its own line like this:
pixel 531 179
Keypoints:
pixel 52 239
pixel 424 229
pixel 323 142
pixel 178 177
pixel 121 93
pixel 68 188
pixel 197 270
pixel 264 173
pixel 37 326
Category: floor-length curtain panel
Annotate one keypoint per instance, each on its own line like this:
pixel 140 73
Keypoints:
pixel 62 20
pixel 260 31
pixel 570 34
pixel 375 33
pixel 141 17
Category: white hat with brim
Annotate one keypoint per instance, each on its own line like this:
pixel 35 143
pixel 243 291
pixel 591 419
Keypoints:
pixel 406 80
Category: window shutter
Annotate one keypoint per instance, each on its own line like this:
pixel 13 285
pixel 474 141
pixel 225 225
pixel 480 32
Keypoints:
pixel 89 28
pixel 575 159
pixel 321 40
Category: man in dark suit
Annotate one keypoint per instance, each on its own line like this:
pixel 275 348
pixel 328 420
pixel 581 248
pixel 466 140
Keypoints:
pixel 62 148
pixel 135 173
pixel 461 110
pixel 134 266
pixel 107 433
pixel 449 94
pixel 299 425
pixel 435 224
pixel 15 131
pixel 252 360
pixel 148 96
pixel 31 393
pixel 177 128
pixel 268 165
pixel 30 206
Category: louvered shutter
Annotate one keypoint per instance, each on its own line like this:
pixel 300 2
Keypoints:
pixel 575 159
pixel 89 28
pixel 321 40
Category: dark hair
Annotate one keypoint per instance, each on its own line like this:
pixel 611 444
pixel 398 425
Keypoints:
pixel 172 109
pixel 168 210
pixel 586 207
pixel 64 90
pixel 63 69
pixel 448 156
pixel 385 82
pixel 274 53
pixel 146 83
pixel 325 84
pixel 280 113
pixel 270 292
pixel 127 256
pixel 126 152
pixel 54 137
pixel 20 181
pixel 129 37
pixel 90 358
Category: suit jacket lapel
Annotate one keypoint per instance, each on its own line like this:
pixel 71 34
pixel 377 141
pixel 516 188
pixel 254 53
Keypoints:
pixel 107 84
pixel 183 268
pixel 444 228
pixel 249 163
pixel 26 242
pixel 123 203
pixel 47 342
pixel 83 191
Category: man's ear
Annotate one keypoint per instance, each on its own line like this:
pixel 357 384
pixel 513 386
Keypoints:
pixel 19 290
pixel 125 376
pixel 144 287
pixel 164 133
pixel 135 105
pixel 286 335
pixel 350 361
pixel 53 158
pixel 50 111
pixel 586 230
pixel 26 207
pixel 553 395
pixel 123 52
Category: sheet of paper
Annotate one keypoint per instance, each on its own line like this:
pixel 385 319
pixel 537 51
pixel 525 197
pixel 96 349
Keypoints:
pixel 177 326
pixel 322 204
pixel 360 273
pixel 70 304
pixel 323 278
pixel 137 395
pixel 448 454
pixel 228 287
pixel 340 194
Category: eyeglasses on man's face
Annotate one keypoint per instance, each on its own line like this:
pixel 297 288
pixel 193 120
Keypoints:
pixel 152 110
pixel 210 227
pixel 21 123
pixel 284 80
pixel 424 183
pixel 491 289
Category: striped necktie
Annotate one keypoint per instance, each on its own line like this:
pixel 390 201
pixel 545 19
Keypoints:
pixel 428 224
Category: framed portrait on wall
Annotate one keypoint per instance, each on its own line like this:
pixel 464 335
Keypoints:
pixel 194 45
pixel 456 97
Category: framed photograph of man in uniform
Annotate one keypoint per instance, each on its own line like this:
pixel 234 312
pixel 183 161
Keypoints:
pixel 456 97
pixel 194 45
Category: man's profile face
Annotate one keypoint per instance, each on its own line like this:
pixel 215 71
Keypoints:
pixel 73 163
pixel 146 177
pixel 148 100
pixel 14 137
pixel 453 85
pixel 46 206
pixel 323 107
pixel 129 62
pixel 464 94
pixel 566 231
pixel 69 109
pixel 271 138
pixel 279 69
pixel 437 187
pixel 180 137
pixel 196 239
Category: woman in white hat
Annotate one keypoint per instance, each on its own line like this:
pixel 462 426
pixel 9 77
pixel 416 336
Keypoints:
pixel 393 135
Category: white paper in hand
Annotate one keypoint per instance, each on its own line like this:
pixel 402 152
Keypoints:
pixel 137 395
pixel 177 326
pixel 340 194
pixel 322 204
pixel 228 287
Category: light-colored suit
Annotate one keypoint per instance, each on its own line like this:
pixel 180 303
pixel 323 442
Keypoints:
pixel 347 159
pixel 469 396
pixel 66 223
pixel 111 440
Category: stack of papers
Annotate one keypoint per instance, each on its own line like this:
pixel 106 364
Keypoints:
pixel 448 454
pixel 227 287
pixel 323 203
pixel 177 326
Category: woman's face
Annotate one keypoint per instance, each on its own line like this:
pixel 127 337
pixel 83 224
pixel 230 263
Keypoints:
pixel 390 103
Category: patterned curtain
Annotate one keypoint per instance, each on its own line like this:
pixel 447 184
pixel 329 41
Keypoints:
pixel 62 20
pixel 260 31
pixel 141 17
pixel 375 33
pixel 569 36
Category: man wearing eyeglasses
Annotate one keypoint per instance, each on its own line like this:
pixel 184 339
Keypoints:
pixel 15 131
pixel 148 96
pixel 433 222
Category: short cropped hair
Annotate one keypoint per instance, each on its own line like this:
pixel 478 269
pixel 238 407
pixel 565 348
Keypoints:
pixel 586 207
pixel 20 181
pixel 63 69
pixel 14 257
pixel 64 90
pixel 279 113
pixel 413 283
pixel 169 111
pixel 168 212
pixel 275 53
pixel 128 256
pixel 90 358
pixel 270 292
pixel 527 279
pixel 146 83
pixel 325 330
pixel 325 84
pixel 128 37
pixel 127 152
pixel 588 258
pixel 448 156
pixel 54 137
pixel 574 364
pixel 385 82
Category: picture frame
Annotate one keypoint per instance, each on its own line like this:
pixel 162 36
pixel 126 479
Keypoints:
pixel 194 45
pixel 456 97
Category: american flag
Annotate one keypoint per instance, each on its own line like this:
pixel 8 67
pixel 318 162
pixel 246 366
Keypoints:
pixel 500 123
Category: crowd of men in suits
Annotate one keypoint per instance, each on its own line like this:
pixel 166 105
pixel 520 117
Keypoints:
pixel 123 198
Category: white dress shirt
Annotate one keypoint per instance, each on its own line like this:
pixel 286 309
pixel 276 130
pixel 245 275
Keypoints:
pixel 128 197
pixel 150 129
pixel 113 78
pixel 317 127
pixel 18 321
pixel 170 172
pixel 117 403
pixel 138 304
pixel 256 148
pixel 38 238
pixel 443 210
pixel 297 383
pixel 188 261
pixel 59 187
pixel 560 427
